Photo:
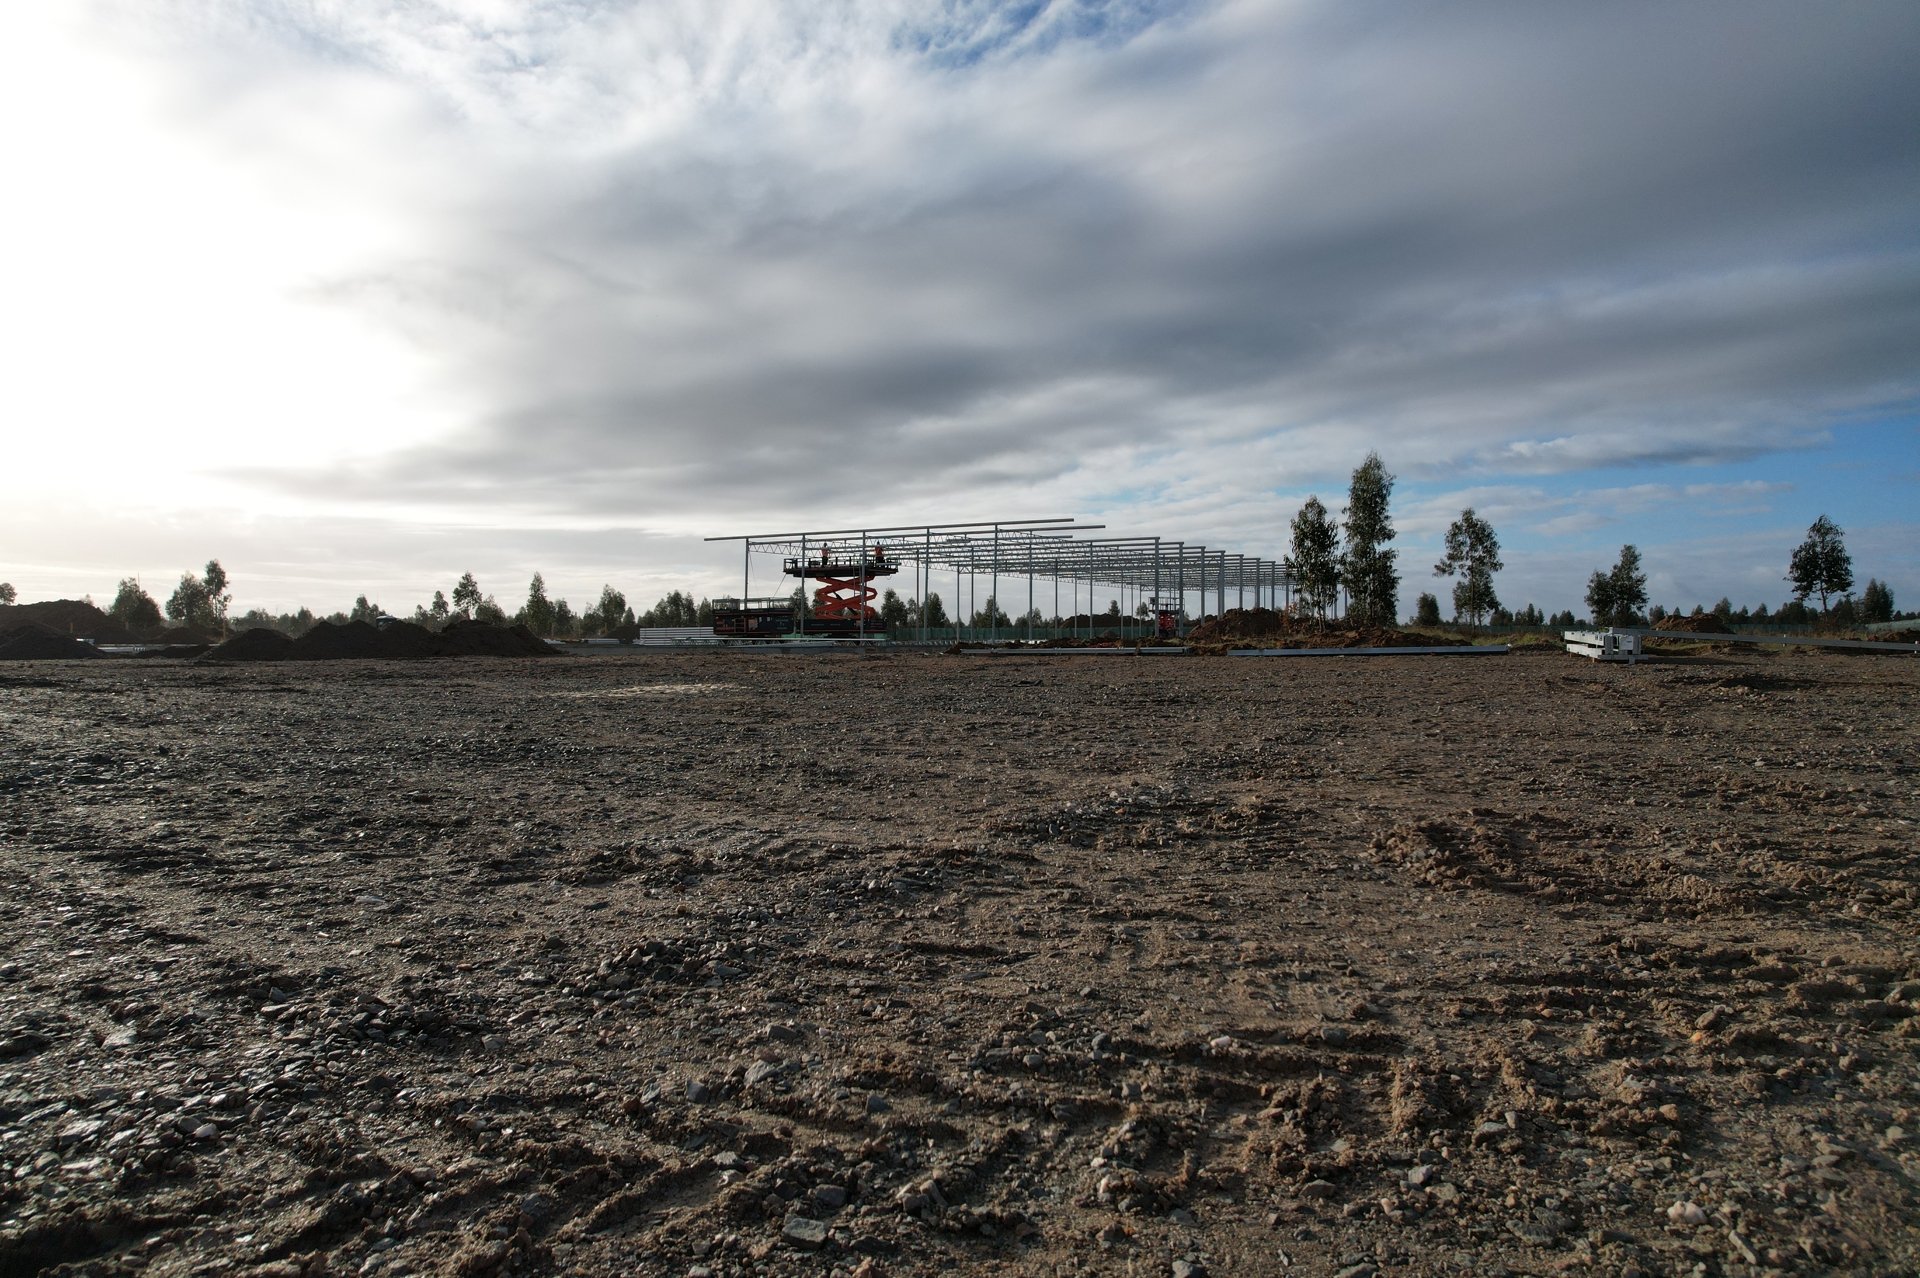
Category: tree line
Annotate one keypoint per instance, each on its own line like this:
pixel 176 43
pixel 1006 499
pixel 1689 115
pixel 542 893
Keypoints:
pixel 1339 568
pixel 1820 566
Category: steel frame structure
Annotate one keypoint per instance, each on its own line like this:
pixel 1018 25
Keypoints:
pixel 1161 572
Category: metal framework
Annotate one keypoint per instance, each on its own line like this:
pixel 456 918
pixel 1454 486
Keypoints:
pixel 1161 572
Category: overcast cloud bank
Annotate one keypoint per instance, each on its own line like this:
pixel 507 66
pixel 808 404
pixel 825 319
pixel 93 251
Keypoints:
pixel 1174 265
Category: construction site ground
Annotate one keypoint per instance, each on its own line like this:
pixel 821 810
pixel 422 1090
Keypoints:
pixel 718 965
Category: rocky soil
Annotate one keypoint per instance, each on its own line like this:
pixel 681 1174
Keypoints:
pixel 712 966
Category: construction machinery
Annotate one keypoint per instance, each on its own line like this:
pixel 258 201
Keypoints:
pixel 843 601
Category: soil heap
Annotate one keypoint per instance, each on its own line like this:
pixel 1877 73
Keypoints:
pixel 397 641
pixel 258 644
pixel 38 643
pixel 1705 624
pixel 79 618
pixel 1263 627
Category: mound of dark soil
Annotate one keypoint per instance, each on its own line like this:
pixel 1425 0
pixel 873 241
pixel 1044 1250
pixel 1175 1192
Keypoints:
pixel 398 641
pixel 478 639
pixel 1369 637
pixel 1100 621
pixel 1262 627
pixel 76 617
pixel 1243 623
pixel 328 642
pixel 258 644
pixel 38 643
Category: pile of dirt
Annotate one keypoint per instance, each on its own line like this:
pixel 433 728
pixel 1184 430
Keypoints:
pixel 38 643
pixel 1264 628
pixel 1099 621
pixel 1705 624
pixel 80 618
pixel 1338 636
pixel 398 641
pixel 479 639
pixel 258 644
pixel 1243 623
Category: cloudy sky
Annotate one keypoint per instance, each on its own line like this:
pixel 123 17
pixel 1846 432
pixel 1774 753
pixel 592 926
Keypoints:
pixel 358 295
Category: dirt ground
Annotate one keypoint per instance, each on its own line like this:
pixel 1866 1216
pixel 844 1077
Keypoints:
pixel 710 966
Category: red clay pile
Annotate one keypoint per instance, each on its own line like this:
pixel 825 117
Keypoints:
pixel 397 641
pixel 38 643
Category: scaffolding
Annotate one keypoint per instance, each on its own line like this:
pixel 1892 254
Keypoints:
pixel 1148 577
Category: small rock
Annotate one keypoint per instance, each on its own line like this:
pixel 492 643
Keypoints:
pixel 832 1197
pixel 1189 1269
pixel 1489 1130
pixel 1685 1213
pixel 760 1071
pixel 804 1232
pixel 1420 1175
pixel 726 1160
pixel 1130 1091
pixel 1333 1035
pixel 877 1104
pixel 1319 1189
pixel 1361 1270
pixel 697 1092
pixel 493 1043
pixel 779 1033
pixel 206 1131
pixel 1033 1060
pixel 75 1132
pixel 1670 1112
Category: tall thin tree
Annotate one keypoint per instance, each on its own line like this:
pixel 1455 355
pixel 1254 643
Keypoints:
pixel 1368 567
pixel 1315 560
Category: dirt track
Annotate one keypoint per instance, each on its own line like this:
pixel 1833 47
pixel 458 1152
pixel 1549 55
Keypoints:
pixel 672 964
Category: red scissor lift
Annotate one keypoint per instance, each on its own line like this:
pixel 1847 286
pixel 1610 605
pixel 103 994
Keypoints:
pixel 843 601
